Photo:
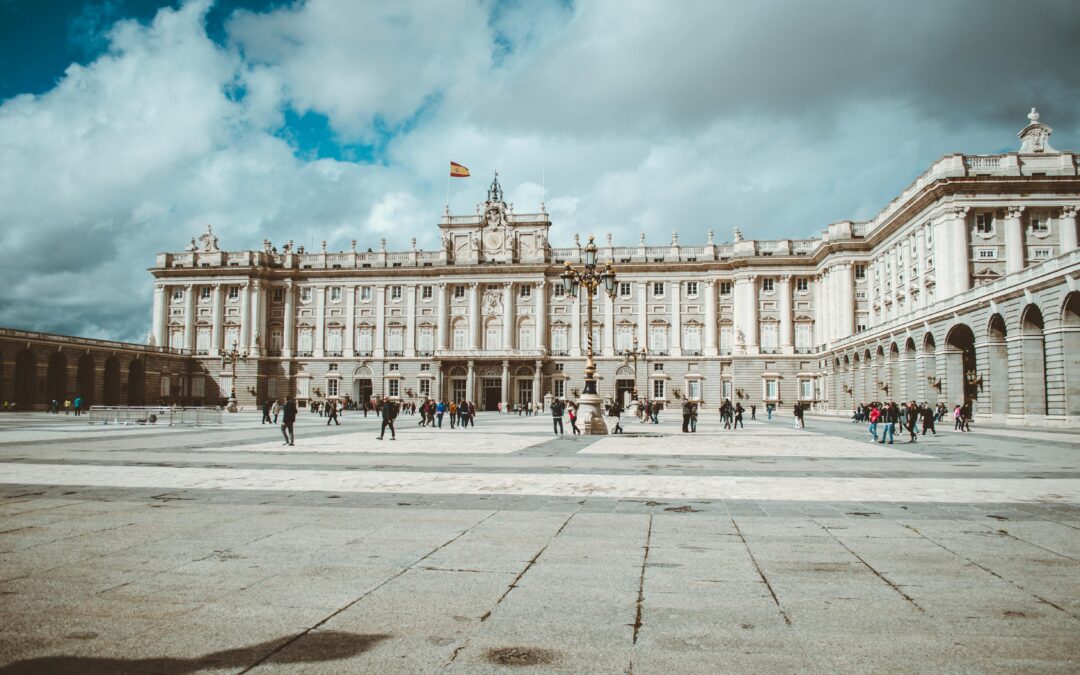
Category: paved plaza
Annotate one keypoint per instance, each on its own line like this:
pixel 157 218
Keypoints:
pixel 503 547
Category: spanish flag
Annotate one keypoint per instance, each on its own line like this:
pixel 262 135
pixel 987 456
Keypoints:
pixel 458 171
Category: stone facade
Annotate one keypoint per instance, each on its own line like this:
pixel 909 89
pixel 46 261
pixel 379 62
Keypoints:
pixel 963 286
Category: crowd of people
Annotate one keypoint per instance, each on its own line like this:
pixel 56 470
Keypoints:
pixel 914 418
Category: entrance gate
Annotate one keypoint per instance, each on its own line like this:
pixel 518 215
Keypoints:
pixel 524 391
pixel 492 392
pixel 624 391
pixel 362 390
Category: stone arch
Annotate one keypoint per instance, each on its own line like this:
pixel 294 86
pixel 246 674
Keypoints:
pixel 997 366
pixel 928 359
pixel 960 364
pixel 866 375
pixel 896 374
pixel 136 389
pixel 56 378
pixel 26 393
pixel 1032 345
pixel 1070 325
pixel 910 372
pixel 111 392
pixel 86 378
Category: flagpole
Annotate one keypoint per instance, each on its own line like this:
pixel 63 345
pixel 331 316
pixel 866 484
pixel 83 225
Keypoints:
pixel 448 192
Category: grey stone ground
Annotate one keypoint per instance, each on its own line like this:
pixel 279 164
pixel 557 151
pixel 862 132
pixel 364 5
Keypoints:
pixel 203 569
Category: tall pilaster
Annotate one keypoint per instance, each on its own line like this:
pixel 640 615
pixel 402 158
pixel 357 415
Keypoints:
pixel 575 325
pixel 508 317
pixel 218 319
pixel 676 317
pixel 643 314
pixel 319 348
pixel 380 321
pixel 1014 239
pixel 350 322
pixel 746 315
pixel 845 300
pixel 470 378
pixel 1068 229
pixel 541 315
pixel 504 388
pixel 609 324
pixel 444 316
pixel 475 320
pixel 783 291
pixel 289 339
pixel 537 369
pixel 245 317
pixel 410 320
pixel 160 321
pixel 255 289
pixel 189 317
pixel 959 261
pixel 710 318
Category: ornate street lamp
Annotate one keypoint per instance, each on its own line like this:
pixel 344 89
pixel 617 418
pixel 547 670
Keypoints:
pixel 230 357
pixel 590 405
pixel 632 355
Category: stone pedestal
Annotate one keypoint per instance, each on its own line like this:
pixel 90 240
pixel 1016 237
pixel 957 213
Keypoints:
pixel 590 409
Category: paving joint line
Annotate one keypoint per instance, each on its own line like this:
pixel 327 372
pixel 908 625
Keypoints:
pixel 761 573
pixel 993 573
pixel 365 594
pixel 641 585
pixel 1006 533
pixel 870 567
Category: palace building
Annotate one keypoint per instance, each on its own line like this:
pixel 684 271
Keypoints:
pixel 964 287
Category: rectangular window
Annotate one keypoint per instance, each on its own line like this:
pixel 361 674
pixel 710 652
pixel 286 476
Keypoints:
pixel 558 339
pixel 275 339
pixel 984 223
pixel 305 342
pixel 234 292
pixel 806 390
pixel 658 339
pixel 725 339
pixel 658 367
pixel 767 285
pixel 624 338
pixel 365 293
pixel 426 292
pixel 303 385
pixel 693 390
pixel 459 292
pixel 332 387
pixel 802 284
pixel 459 339
pixel 493 338
pixel 177 294
pixel 226 385
pixel 624 289
pixel 692 339
pixel 279 294
pixel 559 291
pixel 802 337
pixel 1038 223
pixel 525 291
pixel 393 366
pixel 335 294
pixel 204 292
pixel 558 367
pixel 395 340
pixel 202 341
pixel 305 294
pixel 771 389
pixel 165 385
pixel 424 387
pixel 425 366
pixel 558 388
pixel 768 337
pixel 691 289
pixel 725 288
pixel 395 292
pixel 1040 253
pixel 658 289
pixel 393 388
pixel 271 388
pixel 425 341
pixel 860 271
pixel 725 389
pixel 987 253
pixel 658 389
pixel 364 340
pixel 333 341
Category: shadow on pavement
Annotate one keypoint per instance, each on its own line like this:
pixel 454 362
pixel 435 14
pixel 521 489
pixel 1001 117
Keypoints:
pixel 311 648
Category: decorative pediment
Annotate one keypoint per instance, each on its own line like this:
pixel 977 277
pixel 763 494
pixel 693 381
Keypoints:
pixel 803 318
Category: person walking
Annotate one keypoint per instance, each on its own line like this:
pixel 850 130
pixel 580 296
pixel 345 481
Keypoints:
pixel 389 414
pixel 453 412
pixel 332 413
pixel 928 420
pixel 892 417
pixel 965 417
pixel 753 412
pixel 800 423
pixel 693 418
pixel 875 417
pixel 78 405
pixel 440 410
pixel 739 410
pixel 656 412
pixel 266 413
pixel 287 420
pixel 911 414
pixel 616 412
pixel 556 416
pixel 768 410
pixel 686 417
pixel 571 413
pixel 275 410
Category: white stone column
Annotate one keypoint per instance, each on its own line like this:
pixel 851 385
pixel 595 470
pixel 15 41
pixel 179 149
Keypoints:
pixel 541 315
pixel 289 339
pixel 189 317
pixel 319 348
pixel 443 326
pixel 643 314
pixel 255 289
pixel 538 367
pixel 845 300
pixel 961 252
pixel 218 319
pixel 508 317
pixel 920 260
pixel 380 321
pixel 746 315
pixel 1014 239
pixel 609 323
pixel 475 320
pixel 349 346
pixel 1068 229
pixel 819 329
pixel 161 312
pixel 783 290
pixel 676 317
pixel 245 316
pixel 575 324
pixel 504 393
pixel 410 320
pixel 710 318
pixel 469 379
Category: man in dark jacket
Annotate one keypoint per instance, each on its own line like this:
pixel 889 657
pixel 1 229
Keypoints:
pixel 266 412
pixel 389 413
pixel 616 412
pixel 556 415
pixel 287 419
pixel 911 413
pixel 892 417
pixel 686 417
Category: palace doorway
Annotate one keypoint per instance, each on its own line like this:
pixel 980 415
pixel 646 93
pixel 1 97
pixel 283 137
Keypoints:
pixel 491 389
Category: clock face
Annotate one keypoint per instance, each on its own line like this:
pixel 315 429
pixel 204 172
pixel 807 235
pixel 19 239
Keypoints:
pixel 493 240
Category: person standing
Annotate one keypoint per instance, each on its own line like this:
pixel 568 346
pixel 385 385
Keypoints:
pixel 389 414
pixel 753 412
pixel 800 422
pixel 571 412
pixel 472 414
pixel 693 418
pixel 440 410
pixel 911 414
pixel 266 413
pixel 556 416
pixel 768 410
pixel 892 417
pixel 686 417
pixel 78 405
pixel 287 420
pixel 656 412
pixel 739 410
pixel 332 413
pixel 928 420
pixel 275 410
pixel 875 416
pixel 616 412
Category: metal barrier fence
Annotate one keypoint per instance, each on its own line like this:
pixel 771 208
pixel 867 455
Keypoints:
pixel 163 415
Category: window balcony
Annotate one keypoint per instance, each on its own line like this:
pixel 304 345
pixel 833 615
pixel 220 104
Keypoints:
pixel 425 352
pixel 658 352
pixel 304 353
pixel 560 352
pixel 691 352
pixel 394 352
pixel 334 354
pixel 363 352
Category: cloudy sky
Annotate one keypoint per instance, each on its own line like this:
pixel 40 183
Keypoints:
pixel 128 125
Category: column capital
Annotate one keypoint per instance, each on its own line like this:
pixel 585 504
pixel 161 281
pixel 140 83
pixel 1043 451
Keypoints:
pixel 474 284
pixel 1069 211
pixel 1014 211
pixel 784 278
pixel 960 211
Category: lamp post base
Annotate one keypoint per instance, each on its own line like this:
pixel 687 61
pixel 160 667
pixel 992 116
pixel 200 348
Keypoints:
pixel 232 407
pixel 591 415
